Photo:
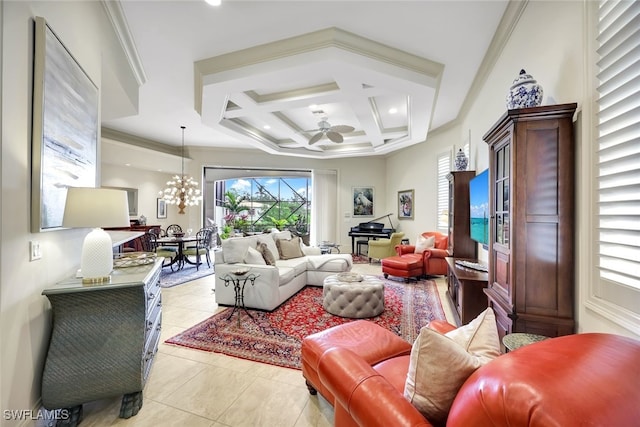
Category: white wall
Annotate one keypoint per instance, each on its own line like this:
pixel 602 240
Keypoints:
pixel 24 312
pixel 148 183
pixel 416 168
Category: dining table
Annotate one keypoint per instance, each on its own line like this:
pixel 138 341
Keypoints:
pixel 179 242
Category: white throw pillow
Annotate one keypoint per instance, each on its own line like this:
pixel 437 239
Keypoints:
pixel 479 337
pixel 423 243
pixel 277 235
pixel 253 256
pixel 234 249
pixel 440 364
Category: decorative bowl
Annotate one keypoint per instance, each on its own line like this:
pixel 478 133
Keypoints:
pixel 133 259
pixel 240 271
pixel 349 277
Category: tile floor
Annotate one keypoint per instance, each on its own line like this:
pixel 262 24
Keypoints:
pixel 195 388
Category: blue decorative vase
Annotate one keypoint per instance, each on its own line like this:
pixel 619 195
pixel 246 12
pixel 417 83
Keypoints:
pixel 525 92
pixel 461 161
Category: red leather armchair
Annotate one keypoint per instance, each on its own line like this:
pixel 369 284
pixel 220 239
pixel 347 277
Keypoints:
pixel 582 379
pixel 433 259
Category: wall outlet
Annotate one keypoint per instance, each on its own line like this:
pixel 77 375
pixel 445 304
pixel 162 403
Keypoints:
pixel 34 250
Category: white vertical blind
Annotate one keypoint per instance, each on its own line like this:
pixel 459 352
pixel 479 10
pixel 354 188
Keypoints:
pixel 324 206
pixel 619 146
pixel 444 167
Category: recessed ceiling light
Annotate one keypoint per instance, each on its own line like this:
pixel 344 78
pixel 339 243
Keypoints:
pixel 214 2
pixel 127 164
pixel 266 127
pixel 393 110
pixel 313 106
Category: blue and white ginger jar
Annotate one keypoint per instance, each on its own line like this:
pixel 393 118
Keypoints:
pixel 524 93
pixel 461 161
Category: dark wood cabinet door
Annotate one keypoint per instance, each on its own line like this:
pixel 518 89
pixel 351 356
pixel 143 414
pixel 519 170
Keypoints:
pixel 460 243
pixel 531 248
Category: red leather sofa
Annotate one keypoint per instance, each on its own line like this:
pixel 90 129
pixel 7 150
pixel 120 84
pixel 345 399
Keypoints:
pixel 409 264
pixel 576 380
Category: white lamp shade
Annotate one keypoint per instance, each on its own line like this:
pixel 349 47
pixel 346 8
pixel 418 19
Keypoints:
pixel 96 207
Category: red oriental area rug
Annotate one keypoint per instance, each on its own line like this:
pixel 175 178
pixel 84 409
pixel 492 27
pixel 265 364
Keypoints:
pixel 359 259
pixel 275 337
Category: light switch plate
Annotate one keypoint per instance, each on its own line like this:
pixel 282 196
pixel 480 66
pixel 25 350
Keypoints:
pixel 35 251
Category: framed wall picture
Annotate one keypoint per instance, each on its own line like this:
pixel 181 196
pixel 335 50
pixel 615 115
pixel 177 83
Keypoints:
pixel 363 201
pixel 405 204
pixel 161 210
pixel 64 130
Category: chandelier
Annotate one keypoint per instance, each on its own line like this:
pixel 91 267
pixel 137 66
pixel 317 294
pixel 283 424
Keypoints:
pixel 181 190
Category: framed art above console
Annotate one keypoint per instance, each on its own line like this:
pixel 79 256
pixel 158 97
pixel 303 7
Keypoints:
pixel 64 129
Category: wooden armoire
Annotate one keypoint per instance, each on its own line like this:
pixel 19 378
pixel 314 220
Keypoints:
pixel 531 239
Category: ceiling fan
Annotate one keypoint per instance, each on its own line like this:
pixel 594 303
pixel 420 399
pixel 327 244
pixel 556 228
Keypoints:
pixel 334 133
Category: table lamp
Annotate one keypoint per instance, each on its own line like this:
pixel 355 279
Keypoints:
pixel 96 207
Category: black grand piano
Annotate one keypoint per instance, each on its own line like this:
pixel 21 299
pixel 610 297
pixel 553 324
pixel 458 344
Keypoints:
pixel 370 230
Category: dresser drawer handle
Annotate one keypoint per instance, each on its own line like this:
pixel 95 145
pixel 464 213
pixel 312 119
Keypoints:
pixel 150 355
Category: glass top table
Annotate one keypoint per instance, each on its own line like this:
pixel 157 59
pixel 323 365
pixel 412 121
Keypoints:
pixel 328 247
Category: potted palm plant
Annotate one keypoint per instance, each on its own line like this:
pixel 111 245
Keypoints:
pixel 234 219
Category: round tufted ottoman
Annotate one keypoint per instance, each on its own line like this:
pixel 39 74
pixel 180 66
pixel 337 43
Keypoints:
pixel 354 296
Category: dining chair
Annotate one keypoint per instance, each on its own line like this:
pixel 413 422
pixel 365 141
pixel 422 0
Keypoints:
pixel 151 242
pixel 173 228
pixel 146 242
pixel 203 243
pixel 159 232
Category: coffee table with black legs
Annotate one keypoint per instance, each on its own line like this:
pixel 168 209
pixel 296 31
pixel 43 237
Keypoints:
pixel 239 280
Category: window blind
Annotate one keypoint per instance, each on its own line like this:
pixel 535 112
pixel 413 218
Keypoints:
pixel 444 167
pixel 618 158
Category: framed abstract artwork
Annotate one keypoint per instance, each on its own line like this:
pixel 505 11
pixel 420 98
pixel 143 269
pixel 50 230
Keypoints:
pixel 363 201
pixel 64 130
pixel 405 204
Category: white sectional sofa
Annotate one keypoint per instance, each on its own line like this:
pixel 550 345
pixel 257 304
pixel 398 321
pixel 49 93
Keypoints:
pixel 276 283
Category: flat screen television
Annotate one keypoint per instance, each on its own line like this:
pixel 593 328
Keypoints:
pixel 479 207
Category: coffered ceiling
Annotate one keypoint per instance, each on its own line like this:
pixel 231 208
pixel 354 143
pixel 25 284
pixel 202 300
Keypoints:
pixel 278 96
pixel 271 75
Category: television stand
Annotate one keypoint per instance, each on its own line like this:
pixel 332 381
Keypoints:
pixel 471 264
pixel 465 288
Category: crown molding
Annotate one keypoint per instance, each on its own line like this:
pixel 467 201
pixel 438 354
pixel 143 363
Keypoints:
pixel 299 45
pixel 138 141
pixel 114 11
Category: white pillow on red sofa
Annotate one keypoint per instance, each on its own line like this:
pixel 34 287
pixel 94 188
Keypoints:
pixel 424 243
pixel 479 337
pixel 440 364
